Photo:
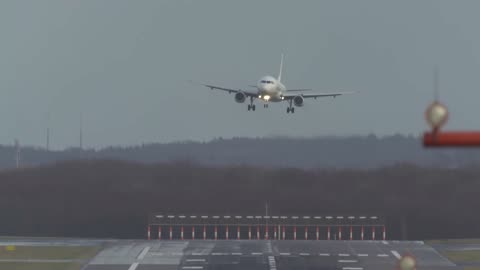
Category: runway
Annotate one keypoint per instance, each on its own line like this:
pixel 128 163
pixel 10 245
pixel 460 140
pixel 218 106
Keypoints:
pixel 264 255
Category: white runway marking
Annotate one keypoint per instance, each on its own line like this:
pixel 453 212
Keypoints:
pixel 385 242
pixel 362 255
pixel 143 253
pixel 396 254
pixel 324 254
pixel 352 268
pixel 192 267
pixel 219 254
pixel 195 260
pixel 304 254
pixel 382 255
pixel 347 261
pixel 177 254
pixel 285 254
pixel 271 263
pixel 237 254
pixel 257 253
pixel 343 255
pixel 133 266
pixel 197 254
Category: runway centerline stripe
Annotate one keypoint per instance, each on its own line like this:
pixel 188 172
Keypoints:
pixel 347 261
pixel 237 254
pixel 257 253
pixel 133 266
pixel 382 255
pixel 197 254
pixel 304 254
pixel 195 260
pixel 272 263
pixel 362 255
pixel 285 254
pixel 396 254
pixel 343 255
pixel 352 268
pixel 143 253
pixel 324 254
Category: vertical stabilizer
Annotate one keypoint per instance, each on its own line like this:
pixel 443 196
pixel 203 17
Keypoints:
pixel 281 69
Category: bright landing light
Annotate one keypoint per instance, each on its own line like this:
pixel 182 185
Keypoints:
pixel 266 97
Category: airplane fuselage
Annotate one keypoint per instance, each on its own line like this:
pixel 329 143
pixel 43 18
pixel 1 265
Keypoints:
pixel 270 89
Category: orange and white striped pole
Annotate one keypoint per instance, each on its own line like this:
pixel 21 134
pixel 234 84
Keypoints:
pixel 351 233
pixel 160 232
pixel 362 233
pixel 148 232
pixel 328 233
pixel 373 232
pixel 193 232
pixel 306 232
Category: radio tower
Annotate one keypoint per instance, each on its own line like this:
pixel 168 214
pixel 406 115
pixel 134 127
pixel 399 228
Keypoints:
pixel 17 153
pixel 81 132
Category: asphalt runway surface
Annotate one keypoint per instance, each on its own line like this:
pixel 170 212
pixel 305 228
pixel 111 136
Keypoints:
pixel 264 255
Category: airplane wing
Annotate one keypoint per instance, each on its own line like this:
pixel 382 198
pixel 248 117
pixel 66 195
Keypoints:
pixel 231 90
pixel 297 90
pixel 316 95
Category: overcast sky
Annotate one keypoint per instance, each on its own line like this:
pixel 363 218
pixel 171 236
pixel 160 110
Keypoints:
pixel 123 66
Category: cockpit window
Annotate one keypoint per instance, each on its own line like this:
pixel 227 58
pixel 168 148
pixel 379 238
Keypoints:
pixel 267 82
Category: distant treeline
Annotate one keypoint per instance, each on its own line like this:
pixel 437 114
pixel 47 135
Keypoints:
pixel 113 198
pixel 329 152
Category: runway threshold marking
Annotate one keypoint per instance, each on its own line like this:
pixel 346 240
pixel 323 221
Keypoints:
pixel 143 253
pixel 396 254
pixel 133 266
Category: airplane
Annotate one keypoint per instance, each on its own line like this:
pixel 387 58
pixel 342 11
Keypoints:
pixel 271 89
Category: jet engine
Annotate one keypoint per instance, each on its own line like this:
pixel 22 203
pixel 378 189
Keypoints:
pixel 240 97
pixel 298 101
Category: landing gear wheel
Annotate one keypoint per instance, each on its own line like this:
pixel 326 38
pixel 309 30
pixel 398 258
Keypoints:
pixel 292 109
pixel 288 109
pixel 253 107
pixel 249 107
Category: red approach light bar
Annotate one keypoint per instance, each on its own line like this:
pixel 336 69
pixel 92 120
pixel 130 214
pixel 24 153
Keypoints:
pixel 437 116
pixel 451 138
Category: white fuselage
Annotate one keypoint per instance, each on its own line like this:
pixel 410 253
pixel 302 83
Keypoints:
pixel 270 89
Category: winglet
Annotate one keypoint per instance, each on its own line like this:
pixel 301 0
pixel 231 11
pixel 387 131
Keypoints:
pixel 281 69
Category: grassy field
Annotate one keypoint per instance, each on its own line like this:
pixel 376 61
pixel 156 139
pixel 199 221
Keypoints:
pixel 49 252
pixel 40 266
pixel 454 241
pixel 463 256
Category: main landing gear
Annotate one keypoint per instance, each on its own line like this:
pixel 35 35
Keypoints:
pixel 265 105
pixel 290 108
pixel 251 106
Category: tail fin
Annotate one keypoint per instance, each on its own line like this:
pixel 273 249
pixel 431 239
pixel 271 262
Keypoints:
pixel 281 69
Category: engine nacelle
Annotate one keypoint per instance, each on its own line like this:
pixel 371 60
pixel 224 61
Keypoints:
pixel 298 101
pixel 240 97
